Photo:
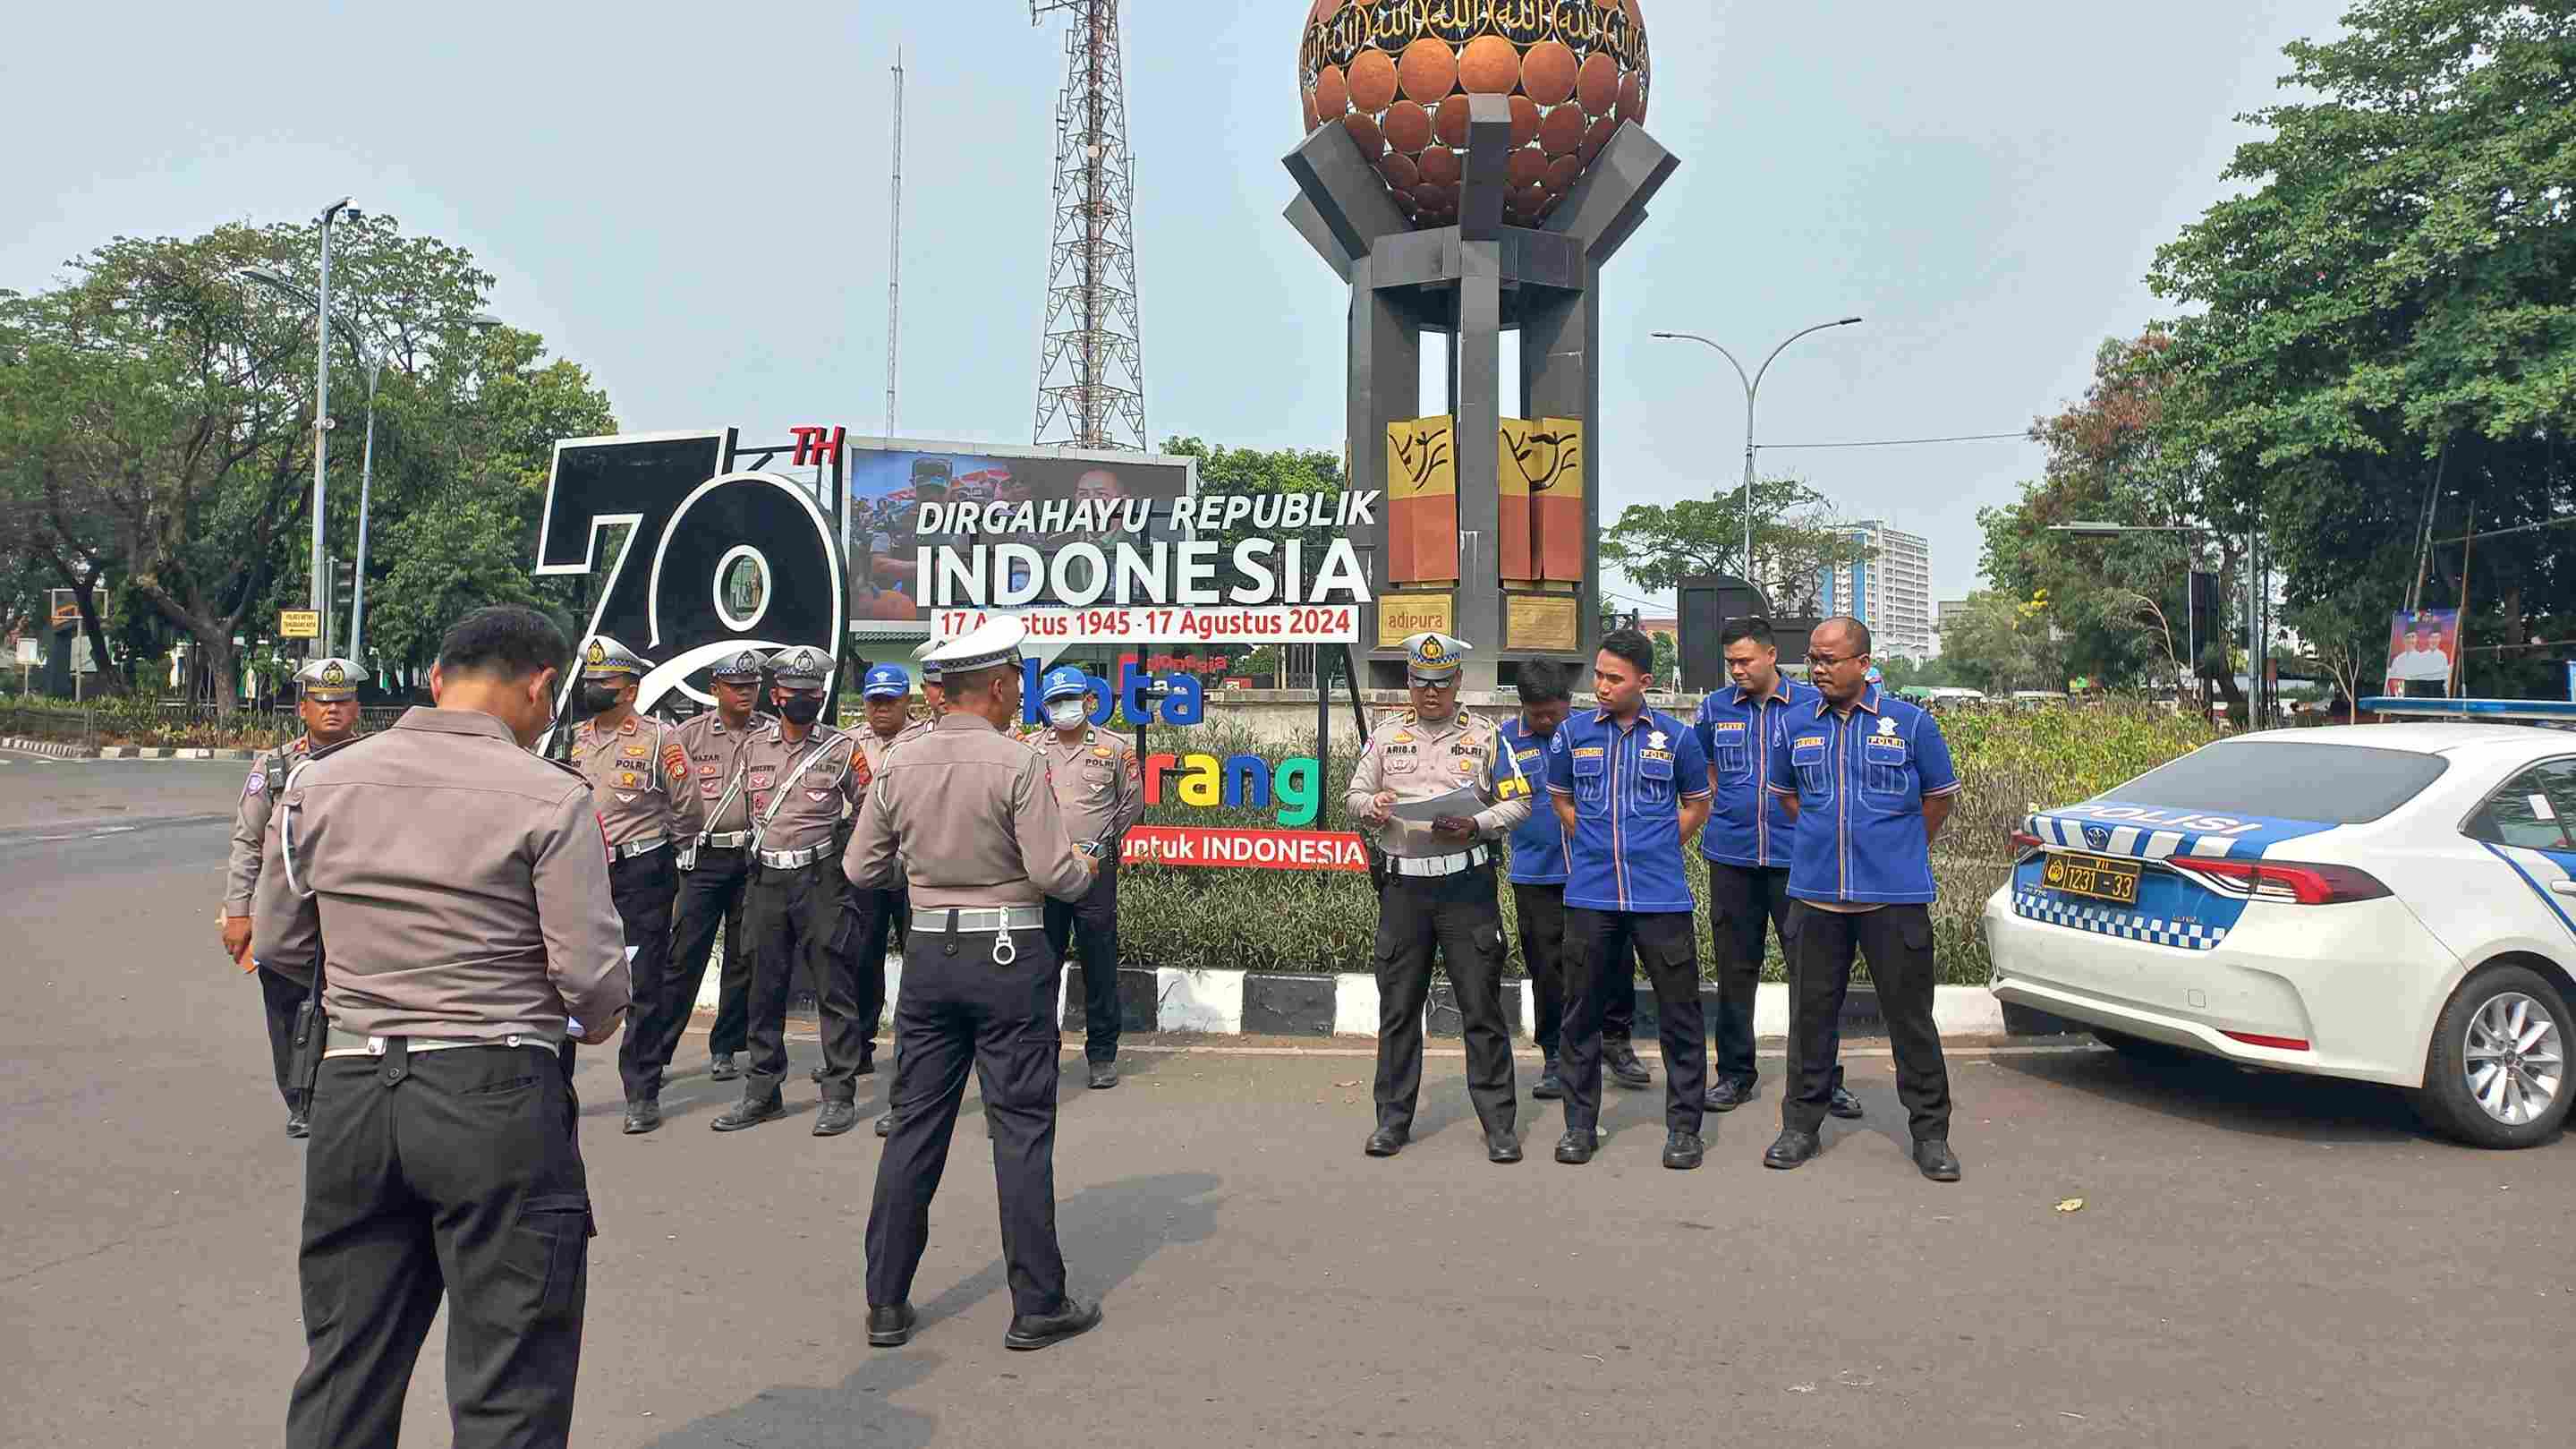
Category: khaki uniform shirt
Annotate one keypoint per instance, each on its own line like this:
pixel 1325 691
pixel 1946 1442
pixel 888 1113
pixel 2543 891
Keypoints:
pixel 1415 761
pixel 1099 784
pixel 635 774
pixel 456 883
pixel 800 791
pixel 250 821
pixel 877 747
pixel 975 819
pixel 715 752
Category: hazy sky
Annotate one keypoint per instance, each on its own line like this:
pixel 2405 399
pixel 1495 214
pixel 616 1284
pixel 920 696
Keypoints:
pixel 690 201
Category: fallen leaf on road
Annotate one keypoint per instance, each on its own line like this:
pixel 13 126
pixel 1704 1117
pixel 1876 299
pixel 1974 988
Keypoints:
pixel 2071 1205
pixel 1802 1388
pixel 1346 1084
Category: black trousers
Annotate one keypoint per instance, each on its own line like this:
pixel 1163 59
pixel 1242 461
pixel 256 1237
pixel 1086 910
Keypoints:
pixel 1090 926
pixel 713 894
pixel 1541 909
pixel 1461 917
pixel 279 1000
pixel 1741 900
pixel 958 1008
pixel 808 915
pixel 643 888
pixel 453 1174
pixel 1667 945
pixel 1898 941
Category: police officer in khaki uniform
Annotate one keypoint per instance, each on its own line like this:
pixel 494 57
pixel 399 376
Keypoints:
pixel 714 834
pixel 805 777
pixel 327 703
pixel 966 817
pixel 1100 784
pixel 1439 890
pixel 636 770
pixel 450 887
pixel 934 698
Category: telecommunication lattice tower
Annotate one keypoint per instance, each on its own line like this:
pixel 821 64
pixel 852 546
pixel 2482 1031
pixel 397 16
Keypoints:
pixel 1091 362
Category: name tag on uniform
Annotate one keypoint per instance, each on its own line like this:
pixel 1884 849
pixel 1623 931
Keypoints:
pixel 1728 726
pixel 1807 750
pixel 1587 752
pixel 1664 755
pixel 1884 750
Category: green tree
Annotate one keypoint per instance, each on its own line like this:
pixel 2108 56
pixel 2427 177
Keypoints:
pixel 2000 644
pixel 1255 472
pixel 157 418
pixel 1668 659
pixel 1795 540
pixel 2388 313
pixel 2117 601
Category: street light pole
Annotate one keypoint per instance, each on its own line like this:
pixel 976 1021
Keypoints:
pixel 322 429
pixel 366 485
pixel 1752 386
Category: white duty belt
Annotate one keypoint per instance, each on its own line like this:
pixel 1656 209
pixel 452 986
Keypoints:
pixel 1001 921
pixel 794 859
pixel 1439 865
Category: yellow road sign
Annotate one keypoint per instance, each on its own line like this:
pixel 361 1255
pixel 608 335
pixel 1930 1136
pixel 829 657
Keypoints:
pixel 299 624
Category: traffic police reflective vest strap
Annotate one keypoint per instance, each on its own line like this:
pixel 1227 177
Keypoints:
pixel 1748 825
pixel 1860 782
pixel 1627 786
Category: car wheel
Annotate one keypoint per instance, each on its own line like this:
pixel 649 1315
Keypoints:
pixel 2496 1074
pixel 2142 1051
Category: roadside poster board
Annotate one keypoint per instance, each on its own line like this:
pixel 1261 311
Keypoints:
pixel 2421 645
pixel 299 624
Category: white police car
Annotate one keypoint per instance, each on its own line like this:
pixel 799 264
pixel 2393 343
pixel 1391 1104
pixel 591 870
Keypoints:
pixel 2391 903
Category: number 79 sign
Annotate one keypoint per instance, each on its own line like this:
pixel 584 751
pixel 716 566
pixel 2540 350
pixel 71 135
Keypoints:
pixel 709 560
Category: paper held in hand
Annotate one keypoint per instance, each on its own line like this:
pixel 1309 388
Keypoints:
pixel 1462 802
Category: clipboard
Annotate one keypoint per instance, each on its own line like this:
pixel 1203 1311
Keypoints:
pixel 1463 802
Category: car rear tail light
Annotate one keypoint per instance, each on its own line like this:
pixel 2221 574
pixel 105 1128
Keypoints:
pixel 2278 1043
pixel 2285 881
pixel 2025 842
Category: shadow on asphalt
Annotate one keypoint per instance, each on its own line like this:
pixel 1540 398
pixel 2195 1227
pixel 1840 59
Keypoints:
pixel 860 1409
pixel 2212 1093
pixel 1109 1231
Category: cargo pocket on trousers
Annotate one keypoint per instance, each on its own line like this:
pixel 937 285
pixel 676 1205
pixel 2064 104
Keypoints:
pixel 1916 931
pixel 554 1233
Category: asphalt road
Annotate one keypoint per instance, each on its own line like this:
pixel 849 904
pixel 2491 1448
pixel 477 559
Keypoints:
pixel 2258 1261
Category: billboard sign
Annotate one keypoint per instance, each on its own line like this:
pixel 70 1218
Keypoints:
pixel 1095 548
pixel 2421 646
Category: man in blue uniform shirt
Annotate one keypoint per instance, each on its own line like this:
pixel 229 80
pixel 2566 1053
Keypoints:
pixel 1630 785
pixel 1869 780
pixel 1746 846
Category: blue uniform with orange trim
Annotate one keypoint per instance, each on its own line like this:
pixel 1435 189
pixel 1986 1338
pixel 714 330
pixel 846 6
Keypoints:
pixel 1628 787
pixel 1860 780
pixel 1538 842
pixel 1625 888
pixel 1860 882
pixel 1747 825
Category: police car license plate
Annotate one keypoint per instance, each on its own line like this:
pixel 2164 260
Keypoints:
pixel 2093 876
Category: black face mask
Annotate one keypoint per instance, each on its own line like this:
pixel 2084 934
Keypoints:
pixel 593 699
pixel 802 709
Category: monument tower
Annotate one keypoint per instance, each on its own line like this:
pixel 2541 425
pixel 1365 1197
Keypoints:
pixel 1469 167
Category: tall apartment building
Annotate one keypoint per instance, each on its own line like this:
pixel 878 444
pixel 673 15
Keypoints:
pixel 1889 589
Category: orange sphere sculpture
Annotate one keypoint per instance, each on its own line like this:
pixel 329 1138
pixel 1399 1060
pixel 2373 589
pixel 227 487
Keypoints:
pixel 1397 74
